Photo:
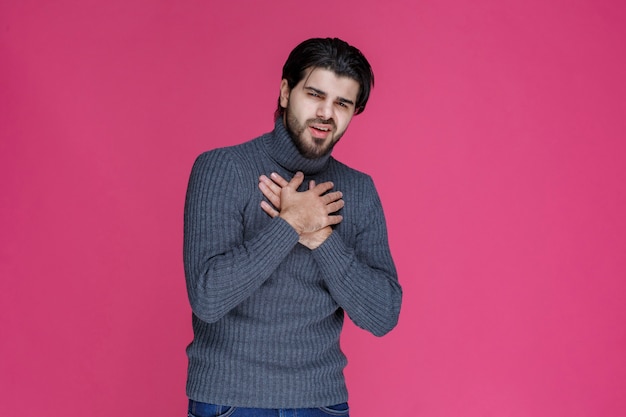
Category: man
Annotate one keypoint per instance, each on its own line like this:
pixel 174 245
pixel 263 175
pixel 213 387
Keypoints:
pixel 280 240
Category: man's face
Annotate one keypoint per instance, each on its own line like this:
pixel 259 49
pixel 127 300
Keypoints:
pixel 318 110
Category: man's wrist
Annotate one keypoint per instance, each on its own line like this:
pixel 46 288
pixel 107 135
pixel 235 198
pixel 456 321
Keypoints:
pixel 316 239
pixel 286 217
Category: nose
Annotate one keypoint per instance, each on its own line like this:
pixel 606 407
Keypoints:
pixel 325 110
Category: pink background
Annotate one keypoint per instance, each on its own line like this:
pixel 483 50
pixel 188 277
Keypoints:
pixel 495 134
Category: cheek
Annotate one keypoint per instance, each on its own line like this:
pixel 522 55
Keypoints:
pixel 344 122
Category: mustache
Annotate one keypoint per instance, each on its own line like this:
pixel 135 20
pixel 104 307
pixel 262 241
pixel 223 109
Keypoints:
pixel 321 121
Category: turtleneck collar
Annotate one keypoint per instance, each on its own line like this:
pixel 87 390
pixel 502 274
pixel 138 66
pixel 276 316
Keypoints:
pixel 281 149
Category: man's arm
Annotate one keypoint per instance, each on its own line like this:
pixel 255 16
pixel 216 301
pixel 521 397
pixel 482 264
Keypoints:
pixel 222 269
pixel 362 279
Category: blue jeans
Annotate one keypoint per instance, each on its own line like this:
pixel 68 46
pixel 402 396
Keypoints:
pixel 198 409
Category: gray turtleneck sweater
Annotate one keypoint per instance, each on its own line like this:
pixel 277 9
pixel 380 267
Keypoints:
pixel 267 311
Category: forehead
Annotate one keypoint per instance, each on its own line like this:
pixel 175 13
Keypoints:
pixel 330 83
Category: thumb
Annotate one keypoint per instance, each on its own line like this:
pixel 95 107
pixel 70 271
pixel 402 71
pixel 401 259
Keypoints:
pixel 296 181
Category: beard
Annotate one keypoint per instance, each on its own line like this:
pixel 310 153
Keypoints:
pixel 310 150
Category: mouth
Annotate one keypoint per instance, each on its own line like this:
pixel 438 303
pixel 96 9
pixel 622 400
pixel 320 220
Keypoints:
pixel 320 130
pixel 321 127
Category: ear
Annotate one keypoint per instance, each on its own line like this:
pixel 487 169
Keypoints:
pixel 284 93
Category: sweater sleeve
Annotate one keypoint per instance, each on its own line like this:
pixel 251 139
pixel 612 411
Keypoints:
pixel 221 268
pixel 363 279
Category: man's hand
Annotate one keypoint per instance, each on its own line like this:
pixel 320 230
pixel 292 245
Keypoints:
pixel 308 212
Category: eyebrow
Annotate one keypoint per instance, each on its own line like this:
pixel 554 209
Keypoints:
pixel 322 93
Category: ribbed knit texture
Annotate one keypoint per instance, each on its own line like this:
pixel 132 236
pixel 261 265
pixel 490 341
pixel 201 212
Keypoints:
pixel 267 311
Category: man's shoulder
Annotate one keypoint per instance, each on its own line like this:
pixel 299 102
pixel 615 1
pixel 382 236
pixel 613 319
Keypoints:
pixel 233 161
pixel 240 151
pixel 349 172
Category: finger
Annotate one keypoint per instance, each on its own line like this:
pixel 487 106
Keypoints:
pixel 270 195
pixel 330 197
pixel 296 181
pixel 275 188
pixel 279 180
pixel 269 209
pixel 335 219
pixel 334 207
pixel 323 187
pixel 311 184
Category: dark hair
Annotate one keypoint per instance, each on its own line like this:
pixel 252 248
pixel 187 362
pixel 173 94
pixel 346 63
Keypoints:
pixel 332 54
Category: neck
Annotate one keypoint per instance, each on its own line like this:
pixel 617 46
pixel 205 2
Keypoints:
pixel 281 148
